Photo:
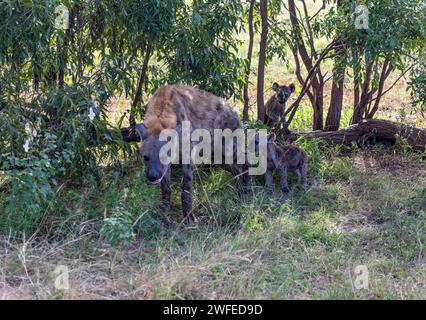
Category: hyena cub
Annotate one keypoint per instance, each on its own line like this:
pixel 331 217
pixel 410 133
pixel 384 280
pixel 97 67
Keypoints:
pixel 275 107
pixel 285 158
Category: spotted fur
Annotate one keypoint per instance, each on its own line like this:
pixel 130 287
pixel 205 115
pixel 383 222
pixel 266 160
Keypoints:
pixel 173 104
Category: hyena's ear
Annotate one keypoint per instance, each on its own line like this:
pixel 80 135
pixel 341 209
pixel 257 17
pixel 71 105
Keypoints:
pixel 292 88
pixel 275 86
pixel 272 138
pixel 142 131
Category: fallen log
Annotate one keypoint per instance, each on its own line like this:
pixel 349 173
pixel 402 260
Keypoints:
pixel 380 130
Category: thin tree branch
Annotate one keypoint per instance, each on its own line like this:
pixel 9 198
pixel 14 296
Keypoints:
pixel 397 80
pixel 249 60
pixel 307 84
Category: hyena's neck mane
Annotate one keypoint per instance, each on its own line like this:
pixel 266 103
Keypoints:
pixel 171 105
pixel 160 113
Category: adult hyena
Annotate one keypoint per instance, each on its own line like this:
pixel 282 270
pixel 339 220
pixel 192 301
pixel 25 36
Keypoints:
pixel 169 108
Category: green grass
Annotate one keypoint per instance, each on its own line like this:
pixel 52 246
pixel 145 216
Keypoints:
pixel 361 208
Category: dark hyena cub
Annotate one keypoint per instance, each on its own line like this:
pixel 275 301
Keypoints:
pixel 276 105
pixel 286 158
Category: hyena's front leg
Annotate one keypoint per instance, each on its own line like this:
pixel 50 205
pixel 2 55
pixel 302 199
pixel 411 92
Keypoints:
pixel 303 176
pixel 283 176
pixel 188 174
pixel 166 190
pixel 269 178
pixel 284 125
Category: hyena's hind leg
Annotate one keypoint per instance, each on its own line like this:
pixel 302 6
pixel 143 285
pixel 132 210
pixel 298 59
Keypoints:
pixel 269 179
pixel 303 174
pixel 284 182
pixel 188 176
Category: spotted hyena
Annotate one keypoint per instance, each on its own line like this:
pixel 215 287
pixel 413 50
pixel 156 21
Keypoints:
pixel 275 106
pixel 285 158
pixel 169 108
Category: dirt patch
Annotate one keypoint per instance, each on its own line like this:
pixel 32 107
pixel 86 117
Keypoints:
pixel 373 162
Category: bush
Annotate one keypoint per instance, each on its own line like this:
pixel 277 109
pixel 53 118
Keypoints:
pixel 62 135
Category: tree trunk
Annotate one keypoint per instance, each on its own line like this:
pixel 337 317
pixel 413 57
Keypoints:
pixel 386 70
pixel 336 100
pixel 360 108
pixel 249 58
pixel 142 79
pixel 356 92
pixel 36 81
pixel 262 61
pixel 318 120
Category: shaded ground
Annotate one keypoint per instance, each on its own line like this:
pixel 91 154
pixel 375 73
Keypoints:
pixel 362 208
